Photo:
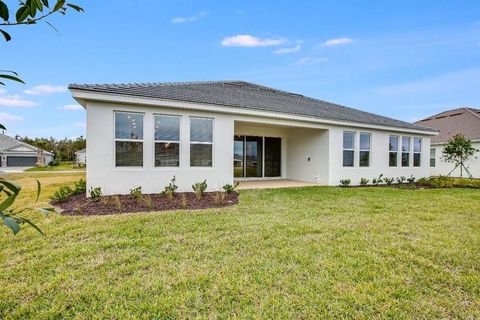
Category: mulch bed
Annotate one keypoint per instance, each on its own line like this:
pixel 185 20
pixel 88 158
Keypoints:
pixel 80 205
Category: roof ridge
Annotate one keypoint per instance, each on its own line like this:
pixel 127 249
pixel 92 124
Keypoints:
pixel 476 114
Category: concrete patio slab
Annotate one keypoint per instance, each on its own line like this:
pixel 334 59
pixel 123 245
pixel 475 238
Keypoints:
pixel 272 184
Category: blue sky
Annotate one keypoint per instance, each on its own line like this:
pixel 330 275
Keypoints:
pixel 403 59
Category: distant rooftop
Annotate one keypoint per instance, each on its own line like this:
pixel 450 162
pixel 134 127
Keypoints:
pixel 241 94
pixel 464 121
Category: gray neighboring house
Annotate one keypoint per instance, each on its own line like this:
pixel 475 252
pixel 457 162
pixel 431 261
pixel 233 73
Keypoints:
pixel 81 156
pixel 15 153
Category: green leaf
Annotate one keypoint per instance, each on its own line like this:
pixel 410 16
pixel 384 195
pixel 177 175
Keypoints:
pixel 2 127
pixel 45 3
pixel 22 13
pixel 15 188
pixel 12 224
pixel 59 5
pixel 23 220
pixel 46 211
pixel 5 35
pixel 39 188
pixel 75 7
pixel 4 14
pixel 8 202
pixel 38 4
pixel 13 78
pixel 33 10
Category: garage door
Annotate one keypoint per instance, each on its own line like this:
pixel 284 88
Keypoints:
pixel 21 161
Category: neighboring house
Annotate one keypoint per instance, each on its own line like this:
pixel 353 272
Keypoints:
pixel 464 121
pixel 221 131
pixel 15 153
pixel 81 156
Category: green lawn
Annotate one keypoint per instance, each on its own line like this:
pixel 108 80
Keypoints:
pixel 63 166
pixel 305 253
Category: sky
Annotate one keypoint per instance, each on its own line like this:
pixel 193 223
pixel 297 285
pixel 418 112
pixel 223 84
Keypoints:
pixel 402 59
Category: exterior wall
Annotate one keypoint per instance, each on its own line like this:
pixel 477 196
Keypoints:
pixel 101 170
pixel 379 157
pixel 81 157
pixel 307 155
pixel 444 168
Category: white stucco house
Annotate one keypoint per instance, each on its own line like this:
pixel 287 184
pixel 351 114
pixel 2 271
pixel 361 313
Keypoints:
pixel 464 121
pixel 81 156
pixel 144 134
pixel 15 153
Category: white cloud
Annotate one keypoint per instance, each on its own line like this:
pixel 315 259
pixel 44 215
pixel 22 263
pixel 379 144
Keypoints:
pixel 16 101
pixel 336 42
pixel 7 117
pixel 45 89
pixel 72 107
pixel 288 50
pixel 246 40
pixel 79 124
pixel 193 18
pixel 309 60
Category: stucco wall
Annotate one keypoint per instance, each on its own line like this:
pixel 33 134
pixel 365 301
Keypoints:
pixel 101 170
pixel 443 168
pixel 379 162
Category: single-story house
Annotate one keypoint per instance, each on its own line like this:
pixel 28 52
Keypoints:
pixel 15 153
pixel 464 121
pixel 81 156
pixel 221 131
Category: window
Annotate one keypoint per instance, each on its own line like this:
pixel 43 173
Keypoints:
pixel 417 151
pixel 405 151
pixel 348 148
pixel 201 142
pixel 393 151
pixel 432 157
pixel 167 141
pixel 128 139
pixel 364 149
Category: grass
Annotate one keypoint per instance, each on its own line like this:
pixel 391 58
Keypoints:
pixel 62 166
pixel 305 253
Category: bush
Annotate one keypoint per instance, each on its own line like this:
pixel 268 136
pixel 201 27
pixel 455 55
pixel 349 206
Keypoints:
pixel 401 179
pixel 229 188
pixel 364 181
pixel 411 180
pixel 170 189
pixel 377 181
pixel 389 181
pixel 62 194
pixel 80 187
pixel 345 182
pixel 136 192
pixel 199 188
pixel 95 193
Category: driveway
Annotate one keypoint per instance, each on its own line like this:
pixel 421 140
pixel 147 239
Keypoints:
pixel 7 170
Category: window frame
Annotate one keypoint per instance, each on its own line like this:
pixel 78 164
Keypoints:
pixel 115 139
pixel 353 149
pixel 369 150
pixel 201 142
pixel 179 142
pixel 434 158
pixel 393 151
pixel 417 152
pixel 409 152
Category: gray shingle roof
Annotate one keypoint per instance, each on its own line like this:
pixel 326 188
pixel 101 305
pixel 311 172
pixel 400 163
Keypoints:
pixel 464 121
pixel 7 142
pixel 240 94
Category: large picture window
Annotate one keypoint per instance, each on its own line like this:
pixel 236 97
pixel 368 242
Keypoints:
pixel 167 141
pixel 433 157
pixel 417 151
pixel 365 141
pixel 393 151
pixel 405 151
pixel 201 142
pixel 128 139
pixel 348 148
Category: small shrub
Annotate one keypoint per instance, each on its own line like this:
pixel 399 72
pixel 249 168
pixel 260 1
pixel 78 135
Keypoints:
pixel 389 181
pixel 219 198
pixel 401 179
pixel 229 188
pixel 62 194
pixel 345 182
pixel 364 181
pixel 171 187
pixel 411 180
pixel 80 187
pixel 95 193
pixel 149 202
pixel 378 180
pixel 183 201
pixel 136 193
pixel 199 188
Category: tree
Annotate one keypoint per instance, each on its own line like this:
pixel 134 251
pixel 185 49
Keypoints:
pixel 458 150
pixel 27 12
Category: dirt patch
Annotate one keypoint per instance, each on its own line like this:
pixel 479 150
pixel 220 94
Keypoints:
pixel 81 205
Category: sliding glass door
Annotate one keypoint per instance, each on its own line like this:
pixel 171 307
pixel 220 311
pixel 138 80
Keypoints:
pixel 256 157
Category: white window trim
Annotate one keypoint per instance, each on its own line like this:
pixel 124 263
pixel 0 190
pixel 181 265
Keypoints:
pixel 434 158
pixel 392 151
pixel 417 152
pixel 201 142
pixel 128 140
pixel 180 154
pixel 369 149
pixel 410 156
pixel 347 149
